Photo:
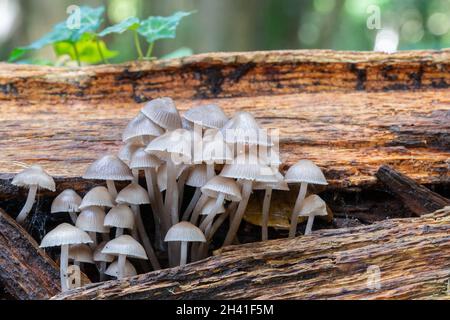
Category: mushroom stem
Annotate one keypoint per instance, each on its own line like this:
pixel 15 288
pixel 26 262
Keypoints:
pixel 221 219
pixel 210 171
pixel 234 227
pixel 198 207
pixel 111 188
pixel 145 240
pixel 135 173
pixel 64 264
pixel 172 192
pixel 265 213
pixel 102 270
pixel 309 225
pixel 297 207
pixel 121 266
pixel 119 232
pixel 183 253
pixel 73 217
pixel 28 204
pixel 156 201
pixel 93 236
pixel 191 205
pixel 212 214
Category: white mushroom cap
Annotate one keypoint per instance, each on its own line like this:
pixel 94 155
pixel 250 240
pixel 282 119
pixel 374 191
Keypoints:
pixel 126 152
pixel 247 166
pixel 244 129
pixel 141 126
pixel 305 171
pixel 185 231
pixel 209 205
pixel 142 160
pixel 125 245
pixel 34 176
pixel 313 206
pixel 66 201
pixel 81 253
pixel 120 217
pixel 92 219
pixel 102 257
pixel 162 175
pixel 65 234
pixel 98 197
pixel 279 185
pixel 207 116
pixel 113 269
pixel 197 176
pixel 226 186
pixel 109 167
pixel 163 112
pixel 133 194
pixel 215 149
pixel 177 145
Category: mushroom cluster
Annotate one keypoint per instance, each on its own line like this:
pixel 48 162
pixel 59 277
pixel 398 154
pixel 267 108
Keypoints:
pixel 215 160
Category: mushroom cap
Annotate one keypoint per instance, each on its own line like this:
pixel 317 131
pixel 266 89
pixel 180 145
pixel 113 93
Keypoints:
pixel 98 197
pixel 247 166
pixel 185 231
pixel 209 205
pixel 197 176
pixel 66 201
pixel 207 116
pixel 244 129
pixel 176 145
pixel 227 186
pixel 109 167
pixel 133 194
pixel 102 257
pixel 113 269
pixel 163 112
pixel 142 160
pixel 92 219
pixel 279 185
pixel 313 206
pixel 305 171
pixel 65 234
pixel 126 151
pixel 215 149
pixel 162 175
pixel 141 126
pixel 125 245
pixel 81 253
pixel 34 176
pixel 120 216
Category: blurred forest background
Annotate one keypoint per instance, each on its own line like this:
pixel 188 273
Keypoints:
pixel 242 25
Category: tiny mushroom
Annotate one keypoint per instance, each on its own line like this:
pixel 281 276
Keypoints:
pixel 141 130
pixel 303 172
pixel 206 116
pixel 92 220
pixel 113 270
pixel 311 207
pixel 64 235
pixel 184 232
pixel 67 201
pixel 80 253
pixel 123 247
pixel 97 197
pixel 121 217
pixel 33 178
pixel 102 258
pixel 163 112
pixel 109 168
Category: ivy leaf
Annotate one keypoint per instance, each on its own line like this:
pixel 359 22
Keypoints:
pixel 179 53
pixel 87 48
pixel 131 23
pixel 155 28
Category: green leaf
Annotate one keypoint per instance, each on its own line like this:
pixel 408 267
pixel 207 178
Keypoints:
pixel 87 50
pixel 179 53
pixel 131 23
pixel 155 28
pixel 17 53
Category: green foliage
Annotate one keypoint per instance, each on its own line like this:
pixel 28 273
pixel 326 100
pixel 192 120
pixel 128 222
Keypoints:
pixel 78 36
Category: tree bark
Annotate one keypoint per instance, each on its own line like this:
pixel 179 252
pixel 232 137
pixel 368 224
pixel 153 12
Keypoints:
pixel 417 198
pixel 411 256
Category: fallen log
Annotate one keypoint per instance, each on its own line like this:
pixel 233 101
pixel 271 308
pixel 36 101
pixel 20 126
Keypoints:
pixel 417 198
pixel 392 259
pixel 26 272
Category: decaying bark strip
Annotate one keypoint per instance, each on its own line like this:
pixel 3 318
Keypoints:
pixel 411 256
pixel 26 271
pixel 417 198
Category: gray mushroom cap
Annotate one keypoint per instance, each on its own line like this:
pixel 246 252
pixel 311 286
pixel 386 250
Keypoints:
pixel 34 176
pixel 109 167
pixel 305 171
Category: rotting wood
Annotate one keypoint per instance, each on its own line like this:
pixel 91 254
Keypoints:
pixel 348 112
pixel 417 198
pixel 411 255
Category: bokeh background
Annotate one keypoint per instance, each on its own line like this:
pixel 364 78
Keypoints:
pixel 242 25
